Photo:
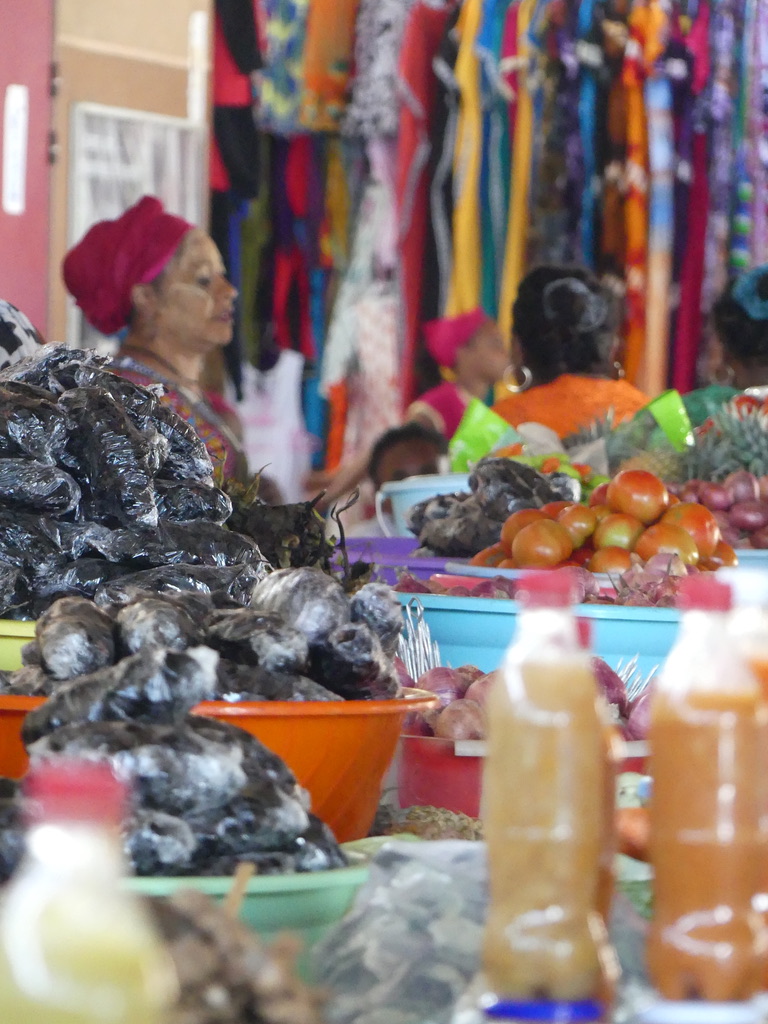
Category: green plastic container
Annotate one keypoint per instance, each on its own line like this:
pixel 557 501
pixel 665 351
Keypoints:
pixel 13 636
pixel 304 904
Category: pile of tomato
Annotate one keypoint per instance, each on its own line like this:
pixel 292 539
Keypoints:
pixel 629 519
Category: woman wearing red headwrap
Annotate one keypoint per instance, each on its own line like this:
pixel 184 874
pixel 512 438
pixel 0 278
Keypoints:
pixel 472 347
pixel 162 279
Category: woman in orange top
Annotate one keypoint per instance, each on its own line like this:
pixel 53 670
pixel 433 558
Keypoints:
pixel 565 330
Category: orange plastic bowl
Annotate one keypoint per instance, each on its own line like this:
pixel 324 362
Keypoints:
pixel 338 750
pixel 13 756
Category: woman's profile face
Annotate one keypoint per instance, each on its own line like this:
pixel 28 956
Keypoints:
pixel 195 299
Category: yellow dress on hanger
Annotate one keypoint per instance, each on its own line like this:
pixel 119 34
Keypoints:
pixel 466 273
pixel 522 152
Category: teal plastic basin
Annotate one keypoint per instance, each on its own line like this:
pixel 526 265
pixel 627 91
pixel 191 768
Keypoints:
pixel 477 630
pixel 304 904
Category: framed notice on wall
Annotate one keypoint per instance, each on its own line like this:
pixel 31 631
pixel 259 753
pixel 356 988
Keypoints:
pixel 119 155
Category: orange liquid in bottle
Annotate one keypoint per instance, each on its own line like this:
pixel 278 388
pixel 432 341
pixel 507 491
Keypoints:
pixel 543 808
pixel 758 663
pixel 706 941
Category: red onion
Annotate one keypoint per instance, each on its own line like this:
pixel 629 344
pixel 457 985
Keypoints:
pixel 715 496
pixel 639 719
pixel 469 673
pixel 462 720
pixel 689 490
pixel 480 689
pixel 742 485
pixel 403 678
pixel 415 724
pixel 445 683
pixel 762 483
pixel 610 684
pixel 759 539
pixel 749 515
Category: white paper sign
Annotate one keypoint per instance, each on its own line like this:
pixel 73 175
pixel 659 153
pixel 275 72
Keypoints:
pixel 15 139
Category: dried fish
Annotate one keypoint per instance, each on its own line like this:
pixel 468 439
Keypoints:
pixel 74 637
pixel 171 768
pixel 253 637
pixel 152 623
pixel 351 662
pixel 312 602
pixel 157 686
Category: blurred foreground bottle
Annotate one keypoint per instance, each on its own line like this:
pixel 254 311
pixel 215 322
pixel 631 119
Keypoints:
pixel 707 739
pixel 544 810
pixel 75 947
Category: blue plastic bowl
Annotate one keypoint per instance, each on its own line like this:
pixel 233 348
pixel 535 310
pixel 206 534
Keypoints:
pixel 478 630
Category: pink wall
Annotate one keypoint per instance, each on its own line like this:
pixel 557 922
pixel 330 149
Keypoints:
pixel 26 35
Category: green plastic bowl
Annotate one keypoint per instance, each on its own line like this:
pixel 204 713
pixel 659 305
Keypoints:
pixel 13 636
pixel 305 904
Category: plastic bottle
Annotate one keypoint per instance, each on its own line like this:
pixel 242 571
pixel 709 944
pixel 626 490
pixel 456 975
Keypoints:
pixel 707 735
pixel 748 625
pixel 543 811
pixel 76 948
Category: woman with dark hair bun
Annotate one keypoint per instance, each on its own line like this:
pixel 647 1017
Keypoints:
pixel 565 328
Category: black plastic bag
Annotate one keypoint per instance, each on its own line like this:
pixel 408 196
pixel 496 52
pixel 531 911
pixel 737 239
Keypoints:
pixel 182 502
pixel 113 460
pixel 35 487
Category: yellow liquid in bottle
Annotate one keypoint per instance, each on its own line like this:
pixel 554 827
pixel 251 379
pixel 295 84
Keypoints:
pixel 79 961
pixel 543 797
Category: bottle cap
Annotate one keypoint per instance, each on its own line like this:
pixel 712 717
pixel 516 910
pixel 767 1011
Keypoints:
pixel 70 790
pixel 550 588
pixel 668 1011
pixel 748 586
pixel 579 1011
pixel 704 593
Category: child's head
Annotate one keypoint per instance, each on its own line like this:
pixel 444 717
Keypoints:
pixel 470 344
pixel 410 450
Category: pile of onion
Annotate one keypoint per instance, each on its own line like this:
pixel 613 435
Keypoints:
pixel 740 505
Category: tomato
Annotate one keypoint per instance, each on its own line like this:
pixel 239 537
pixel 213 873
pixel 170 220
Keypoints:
pixel 550 465
pixel 516 522
pixel 638 493
pixel 601 511
pixel 580 522
pixel 490 556
pixel 723 555
pixel 699 522
pixel 667 538
pixel 541 544
pixel 583 554
pixel 610 559
pixel 597 497
pixel 554 508
pixel 617 530
pixel 508 563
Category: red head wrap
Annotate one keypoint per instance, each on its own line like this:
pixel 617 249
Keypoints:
pixel 114 255
pixel 444 338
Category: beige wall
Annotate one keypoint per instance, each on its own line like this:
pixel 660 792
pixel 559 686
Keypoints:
pixel 123 53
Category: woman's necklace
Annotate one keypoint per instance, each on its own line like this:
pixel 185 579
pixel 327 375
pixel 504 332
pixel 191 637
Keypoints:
pixel 191 391
pixel 166 364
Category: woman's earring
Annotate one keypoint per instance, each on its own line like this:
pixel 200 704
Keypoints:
pixel 724 375
pixel 509 380
pixel 618 369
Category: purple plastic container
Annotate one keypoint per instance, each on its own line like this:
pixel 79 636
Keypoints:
pixel 392 553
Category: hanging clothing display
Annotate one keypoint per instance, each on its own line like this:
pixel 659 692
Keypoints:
pixel 420 156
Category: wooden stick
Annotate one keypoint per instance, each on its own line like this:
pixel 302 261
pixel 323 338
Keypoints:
pixel 234 898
